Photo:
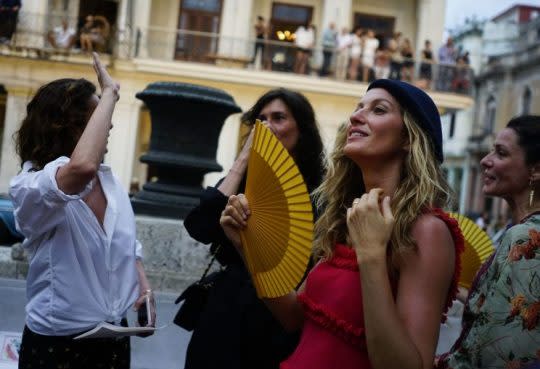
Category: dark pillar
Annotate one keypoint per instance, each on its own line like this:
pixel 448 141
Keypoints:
pixel 186 122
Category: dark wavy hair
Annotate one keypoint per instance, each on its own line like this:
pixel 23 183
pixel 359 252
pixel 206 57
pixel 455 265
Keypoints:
pixel 527 128
pixel 55 119
pixel 309 150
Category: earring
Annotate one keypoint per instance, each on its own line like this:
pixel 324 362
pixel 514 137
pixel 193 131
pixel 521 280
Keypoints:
pixel 531 194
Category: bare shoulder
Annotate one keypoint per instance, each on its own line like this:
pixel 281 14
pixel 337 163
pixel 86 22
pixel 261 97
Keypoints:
pixel 433 237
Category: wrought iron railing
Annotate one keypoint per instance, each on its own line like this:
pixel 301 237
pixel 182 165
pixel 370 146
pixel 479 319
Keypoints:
pixel 31 40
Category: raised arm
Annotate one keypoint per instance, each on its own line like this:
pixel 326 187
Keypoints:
pixel 286 309
pixel 91 147
pixel 401 332
pixel 232 181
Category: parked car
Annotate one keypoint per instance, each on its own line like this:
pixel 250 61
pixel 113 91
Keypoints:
pixel 8 232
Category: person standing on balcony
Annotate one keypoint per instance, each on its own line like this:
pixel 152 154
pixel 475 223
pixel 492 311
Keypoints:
pixel 447 61
pixel 382 63
pixel 9 12
pixel 394 49
pixel 304 41
pixel 388 256
pixel 329 42
pixel 501 325
pixel 407 66
pixel 85 262
pixel 344 41
pixel 371 44
pixel 357 45
pixel 235 329
pixel 426 65
pixel 260 40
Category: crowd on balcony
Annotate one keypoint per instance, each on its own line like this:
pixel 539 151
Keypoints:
pixel 357 55
pixel 360 55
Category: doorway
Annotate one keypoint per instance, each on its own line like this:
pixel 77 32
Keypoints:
pixel 382 26
pixel 196 16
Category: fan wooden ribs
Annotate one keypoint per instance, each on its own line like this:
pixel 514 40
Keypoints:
pixel 279 234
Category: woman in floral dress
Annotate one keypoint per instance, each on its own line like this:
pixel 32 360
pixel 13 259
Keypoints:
pixel 501 327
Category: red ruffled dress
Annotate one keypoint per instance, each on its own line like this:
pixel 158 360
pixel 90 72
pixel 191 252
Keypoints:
pixel 333 335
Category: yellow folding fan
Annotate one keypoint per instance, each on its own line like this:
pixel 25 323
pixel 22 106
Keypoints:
pixel 279 234
pixel 478 247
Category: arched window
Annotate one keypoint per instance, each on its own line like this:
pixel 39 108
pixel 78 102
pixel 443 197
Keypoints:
pixel 526 102
pixel 491 107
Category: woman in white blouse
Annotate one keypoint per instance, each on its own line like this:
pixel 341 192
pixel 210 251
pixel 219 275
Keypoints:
pixel 356 52
pixel 84 260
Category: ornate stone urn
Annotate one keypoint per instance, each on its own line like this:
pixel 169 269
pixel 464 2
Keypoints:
pixel 186 122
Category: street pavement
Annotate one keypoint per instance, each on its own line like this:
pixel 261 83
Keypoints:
pixel 163 350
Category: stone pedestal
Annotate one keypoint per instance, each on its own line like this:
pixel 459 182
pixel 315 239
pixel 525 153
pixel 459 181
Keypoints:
pixel 172 259
pixel 186 122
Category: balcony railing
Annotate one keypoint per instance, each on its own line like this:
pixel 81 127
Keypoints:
pixel 30 40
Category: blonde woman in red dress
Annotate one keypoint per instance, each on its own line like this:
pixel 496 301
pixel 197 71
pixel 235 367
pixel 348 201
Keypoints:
pixel 388 255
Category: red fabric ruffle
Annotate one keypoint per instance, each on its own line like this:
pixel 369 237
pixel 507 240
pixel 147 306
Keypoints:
pixel 459 244
pixel 331 322
pixel 343 257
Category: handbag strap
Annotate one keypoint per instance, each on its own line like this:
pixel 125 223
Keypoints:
pixel 211 262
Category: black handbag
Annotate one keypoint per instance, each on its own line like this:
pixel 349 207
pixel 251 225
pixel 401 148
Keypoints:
pixel 195 297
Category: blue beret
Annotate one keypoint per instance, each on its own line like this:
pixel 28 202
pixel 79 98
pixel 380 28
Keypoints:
pixel 415 101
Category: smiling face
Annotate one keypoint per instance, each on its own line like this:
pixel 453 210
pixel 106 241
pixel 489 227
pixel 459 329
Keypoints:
pixel 376 129
pixel 505 172
pixel 278 118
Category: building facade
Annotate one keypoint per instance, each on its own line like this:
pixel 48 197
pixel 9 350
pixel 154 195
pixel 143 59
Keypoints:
pixel 507 85
pixel 208 42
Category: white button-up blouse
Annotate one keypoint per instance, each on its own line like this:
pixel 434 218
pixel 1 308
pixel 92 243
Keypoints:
pixel 79 273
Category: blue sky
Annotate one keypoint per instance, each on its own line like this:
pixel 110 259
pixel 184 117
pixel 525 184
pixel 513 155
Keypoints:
pixel 458 10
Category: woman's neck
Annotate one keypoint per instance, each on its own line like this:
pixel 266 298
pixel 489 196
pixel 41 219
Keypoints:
pixel 520 208
pixel 385 176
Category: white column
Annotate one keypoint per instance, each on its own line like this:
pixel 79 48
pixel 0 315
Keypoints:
pixel 430 16
pixel 141 20
pixel 337 11
pixel 236 28
pixel 121 147
pixel 32 23
pixel 15 112
pixel 124 35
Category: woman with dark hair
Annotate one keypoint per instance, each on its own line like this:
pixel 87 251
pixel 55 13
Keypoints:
pixel 236 330
pixel 84 260
pixel 388 256
pixel 501 316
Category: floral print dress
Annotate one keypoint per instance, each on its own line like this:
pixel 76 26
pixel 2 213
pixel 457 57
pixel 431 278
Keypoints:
pixel 501 321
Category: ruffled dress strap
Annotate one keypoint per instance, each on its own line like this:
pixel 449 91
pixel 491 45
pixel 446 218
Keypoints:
pixel 332 322
pixel 459 245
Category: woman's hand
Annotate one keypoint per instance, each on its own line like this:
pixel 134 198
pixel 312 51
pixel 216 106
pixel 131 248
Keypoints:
pixel 106 83
pixel 369 223
pixel 234 219
pixel 147 296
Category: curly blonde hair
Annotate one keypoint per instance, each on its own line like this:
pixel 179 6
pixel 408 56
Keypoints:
pixel 422 186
